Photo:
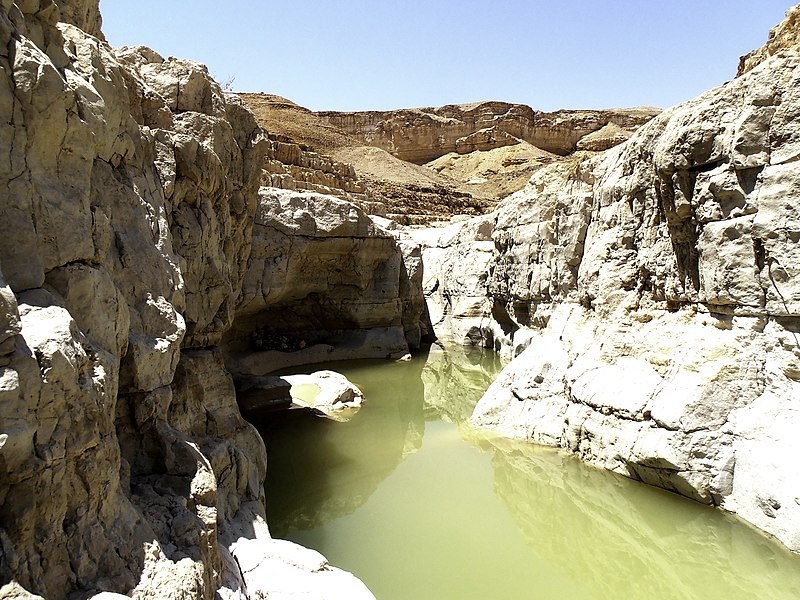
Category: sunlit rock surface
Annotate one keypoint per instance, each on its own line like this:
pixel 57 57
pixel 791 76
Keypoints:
pixel 125 229
pixel 323 283
pixel 655 289
pixel 420 135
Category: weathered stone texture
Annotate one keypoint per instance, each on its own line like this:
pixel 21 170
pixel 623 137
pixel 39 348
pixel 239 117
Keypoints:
pixel 130 193
pixel 424 134
pixel 324 282
pixel 784 36
pixel 654 288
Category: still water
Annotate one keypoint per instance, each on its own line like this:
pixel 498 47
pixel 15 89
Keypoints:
pixel 419 506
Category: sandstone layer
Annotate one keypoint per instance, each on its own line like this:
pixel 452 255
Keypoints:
pixel 784 36
pixel 421 135
pixel 308 153
pixel 296 156
pixel 125 232
pixel 650 297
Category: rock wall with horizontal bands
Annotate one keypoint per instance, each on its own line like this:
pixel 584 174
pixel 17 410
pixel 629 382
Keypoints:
pixel 324 282
pixel 421 135
pixel 784 36
pixel 651 295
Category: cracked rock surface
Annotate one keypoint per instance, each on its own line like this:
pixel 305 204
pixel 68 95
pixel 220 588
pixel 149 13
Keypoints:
pixel 651 296
pixel 130 190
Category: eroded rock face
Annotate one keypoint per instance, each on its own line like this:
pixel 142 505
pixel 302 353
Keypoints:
pixel 655 291
pixel 424 134
pixel 324 283
pixel 784 36
pixel 130 193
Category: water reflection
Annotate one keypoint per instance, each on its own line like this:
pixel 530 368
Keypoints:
pixel 463 516
pixel 320 470
pixel 627 540
pixel 454 379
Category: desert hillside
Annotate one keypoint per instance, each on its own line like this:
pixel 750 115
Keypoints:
pixel 450 160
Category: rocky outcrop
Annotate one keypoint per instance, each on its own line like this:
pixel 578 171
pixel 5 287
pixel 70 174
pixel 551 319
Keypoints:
pixel 495 173
pixel 130 193
pixel 606 137
pixel 292 166
pixel 325 393
pixel 324 282
pixel 308 153
pixel 424 134
pixel 651 296
pixel 784 36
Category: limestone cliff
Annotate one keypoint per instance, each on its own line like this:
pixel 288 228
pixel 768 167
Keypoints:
pixel 125 232
pixel 651 295
pixel 295 157
pixel 424 134
pixel 308 153
pixel 324 282
pixel 784 36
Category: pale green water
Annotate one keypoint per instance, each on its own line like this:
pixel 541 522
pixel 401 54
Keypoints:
pixel 420 508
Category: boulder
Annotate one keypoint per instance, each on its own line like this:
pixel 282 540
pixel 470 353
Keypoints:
pixel 325 392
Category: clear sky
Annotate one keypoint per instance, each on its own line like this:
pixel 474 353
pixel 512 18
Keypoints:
pixel 550 54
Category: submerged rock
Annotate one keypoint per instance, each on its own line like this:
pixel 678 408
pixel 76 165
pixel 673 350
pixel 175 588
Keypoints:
pixel 326 392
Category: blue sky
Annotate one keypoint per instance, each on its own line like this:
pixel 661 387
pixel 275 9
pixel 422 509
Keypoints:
pixel 550 54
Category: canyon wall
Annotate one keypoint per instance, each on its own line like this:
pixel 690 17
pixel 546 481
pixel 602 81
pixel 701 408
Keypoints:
pixel 650 297
pixel 421 135
pixel 324 283
pixel 131 192
pixel 784 36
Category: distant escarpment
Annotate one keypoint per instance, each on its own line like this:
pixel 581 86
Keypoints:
pixel 324 282
pixel 421 135
pixel 307 153
pixel 651 298
pixel 422 165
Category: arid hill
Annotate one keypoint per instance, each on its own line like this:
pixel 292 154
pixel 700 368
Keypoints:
pixel 418 165
pixel 420 135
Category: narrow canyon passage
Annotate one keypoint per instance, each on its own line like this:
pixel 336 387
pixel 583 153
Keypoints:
pixel 412 501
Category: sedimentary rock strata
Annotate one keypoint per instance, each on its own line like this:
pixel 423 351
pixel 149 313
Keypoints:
pixel 324 282
pixel 308 153
pixel 784 36
pixel 652 294
pixel 424 134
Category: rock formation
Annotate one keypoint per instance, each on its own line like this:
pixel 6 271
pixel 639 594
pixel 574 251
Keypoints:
pixel 655 289
pixel 424 134
pixel 291 160
pixel 308 153
pixel 325 393
pixel 125 232
pixel 498 172
pixel 324 282
pixel 784 36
